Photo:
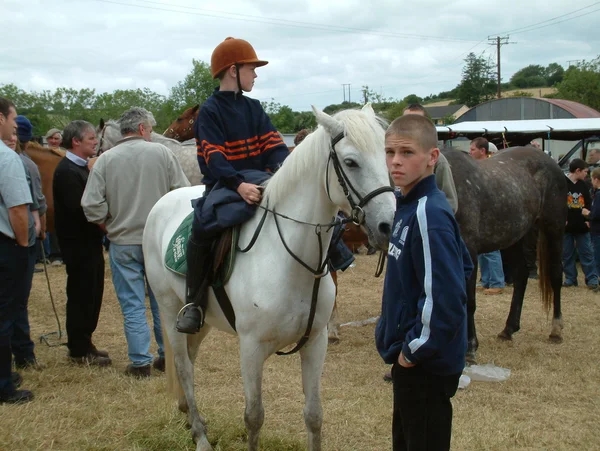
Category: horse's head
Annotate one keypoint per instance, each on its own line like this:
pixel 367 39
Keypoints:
pixel 182 128
pixel 107 133
pixel 357 178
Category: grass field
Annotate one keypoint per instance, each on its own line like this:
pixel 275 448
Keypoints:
pixel 550 402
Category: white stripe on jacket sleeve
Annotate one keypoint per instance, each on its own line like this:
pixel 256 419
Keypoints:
pixel 415 344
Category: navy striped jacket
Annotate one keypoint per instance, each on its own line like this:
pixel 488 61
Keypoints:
pixel 424 306
pixel 233 133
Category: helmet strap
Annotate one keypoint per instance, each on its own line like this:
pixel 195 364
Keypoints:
pixel 239 83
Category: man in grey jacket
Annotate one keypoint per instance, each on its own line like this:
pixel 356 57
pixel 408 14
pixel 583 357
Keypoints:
pixel 123 186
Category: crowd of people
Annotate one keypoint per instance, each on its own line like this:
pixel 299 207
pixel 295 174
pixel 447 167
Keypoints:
pixel 425 285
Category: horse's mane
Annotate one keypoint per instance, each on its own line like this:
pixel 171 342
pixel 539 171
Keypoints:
pixel 362 129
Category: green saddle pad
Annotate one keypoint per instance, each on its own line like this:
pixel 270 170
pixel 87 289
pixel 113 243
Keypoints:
pixel 175 256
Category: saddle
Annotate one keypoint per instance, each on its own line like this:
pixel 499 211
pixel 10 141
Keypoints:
pixel 224 251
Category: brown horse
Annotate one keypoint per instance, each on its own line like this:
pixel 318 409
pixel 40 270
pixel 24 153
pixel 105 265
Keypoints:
pixel 46 160
pixel 182 128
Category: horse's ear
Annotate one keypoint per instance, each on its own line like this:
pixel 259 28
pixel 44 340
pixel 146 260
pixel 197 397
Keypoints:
pixel 330 124
pixel 368 109
pixel 101 123
pixel 195 108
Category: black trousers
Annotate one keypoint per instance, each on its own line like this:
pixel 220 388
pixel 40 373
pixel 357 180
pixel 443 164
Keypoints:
pixel 21 343
pixel 85 287
pixel 422 417
pixel 13 284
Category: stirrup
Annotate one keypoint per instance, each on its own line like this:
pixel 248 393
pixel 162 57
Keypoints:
pixel 190 319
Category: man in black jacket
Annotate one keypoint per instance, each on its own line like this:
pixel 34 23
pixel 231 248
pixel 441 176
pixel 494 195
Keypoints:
pixel 81 245
pixel 577 231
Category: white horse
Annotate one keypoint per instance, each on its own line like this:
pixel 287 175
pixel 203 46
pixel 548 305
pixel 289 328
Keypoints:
pixel 109 134
pixel 270 291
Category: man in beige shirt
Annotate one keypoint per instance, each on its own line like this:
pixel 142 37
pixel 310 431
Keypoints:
pixel 123 186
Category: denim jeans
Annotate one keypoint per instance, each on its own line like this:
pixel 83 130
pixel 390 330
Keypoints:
pixel 492 275
pixel 583 243
pixel 129 279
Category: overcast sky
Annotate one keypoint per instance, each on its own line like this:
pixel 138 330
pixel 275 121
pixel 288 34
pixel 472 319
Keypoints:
pixel 313 46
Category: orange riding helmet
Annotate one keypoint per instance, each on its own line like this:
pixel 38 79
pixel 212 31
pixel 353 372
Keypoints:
pixel 233 51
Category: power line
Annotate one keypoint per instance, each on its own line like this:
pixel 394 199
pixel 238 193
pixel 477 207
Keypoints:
pixel 523 29
pixel 278 22
pixel 560 21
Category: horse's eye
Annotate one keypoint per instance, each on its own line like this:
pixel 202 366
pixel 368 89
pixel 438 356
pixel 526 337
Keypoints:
pixel 350 163
pixel 179 120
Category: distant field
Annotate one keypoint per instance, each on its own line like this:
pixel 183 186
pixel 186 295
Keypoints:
pixel 536 92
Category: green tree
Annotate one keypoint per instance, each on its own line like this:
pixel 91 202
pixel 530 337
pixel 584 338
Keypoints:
pixel 195 88
pixel 554 74
pixel 112 105
pixel 478 83
pixel 282 117
pixel 304 119
pixel 581 83
pixel 412 99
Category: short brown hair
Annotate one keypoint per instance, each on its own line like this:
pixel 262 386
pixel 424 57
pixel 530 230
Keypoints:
pixel 596 173
pixel 416 127
pixel 482 143
pixel 577 163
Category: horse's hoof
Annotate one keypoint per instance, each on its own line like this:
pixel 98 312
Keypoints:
pixel 334 340
pixel 505 336
pixel 556 339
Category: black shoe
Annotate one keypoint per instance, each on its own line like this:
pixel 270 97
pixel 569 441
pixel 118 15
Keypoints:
pixel 189 319
pixel 159 364
pixel 92 360
pixel 17 380
pixel 139 372
pixel 16 397
pixel 98 352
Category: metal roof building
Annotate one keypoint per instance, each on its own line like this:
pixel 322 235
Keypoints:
pixel 523 108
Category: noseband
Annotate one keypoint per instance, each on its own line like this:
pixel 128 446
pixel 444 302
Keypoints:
pixel 357 214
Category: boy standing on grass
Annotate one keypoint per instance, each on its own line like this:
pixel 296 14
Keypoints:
pixel 423 326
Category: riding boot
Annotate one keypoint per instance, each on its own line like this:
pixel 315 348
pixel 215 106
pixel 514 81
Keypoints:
pixel 191 317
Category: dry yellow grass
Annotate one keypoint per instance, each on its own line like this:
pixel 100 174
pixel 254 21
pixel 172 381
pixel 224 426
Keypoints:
pixel 551 401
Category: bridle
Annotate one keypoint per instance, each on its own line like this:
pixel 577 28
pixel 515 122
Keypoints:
pixel 357 216
pixel 187 129
pixel 100 151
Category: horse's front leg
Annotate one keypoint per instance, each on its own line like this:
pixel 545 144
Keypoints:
pixel 472 342
pixel 313 358
pixel 253 354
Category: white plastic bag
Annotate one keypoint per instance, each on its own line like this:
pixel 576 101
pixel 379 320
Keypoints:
pixel 487 373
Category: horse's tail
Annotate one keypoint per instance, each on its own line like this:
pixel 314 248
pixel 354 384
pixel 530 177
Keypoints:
pixel 546 290
pixel 173 386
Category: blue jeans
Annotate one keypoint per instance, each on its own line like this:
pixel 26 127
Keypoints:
pixel 583 244
pixel 492 275
pixel 129 279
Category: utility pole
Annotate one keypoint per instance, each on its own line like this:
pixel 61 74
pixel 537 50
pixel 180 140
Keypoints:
pixel 573 61
pixel 344 88
pixel 499 42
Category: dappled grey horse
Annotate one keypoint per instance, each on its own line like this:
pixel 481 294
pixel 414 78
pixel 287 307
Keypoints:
pixel 500 199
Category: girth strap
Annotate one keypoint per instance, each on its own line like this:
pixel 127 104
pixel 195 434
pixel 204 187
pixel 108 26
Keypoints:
pixel 225 304
pixel 311 319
